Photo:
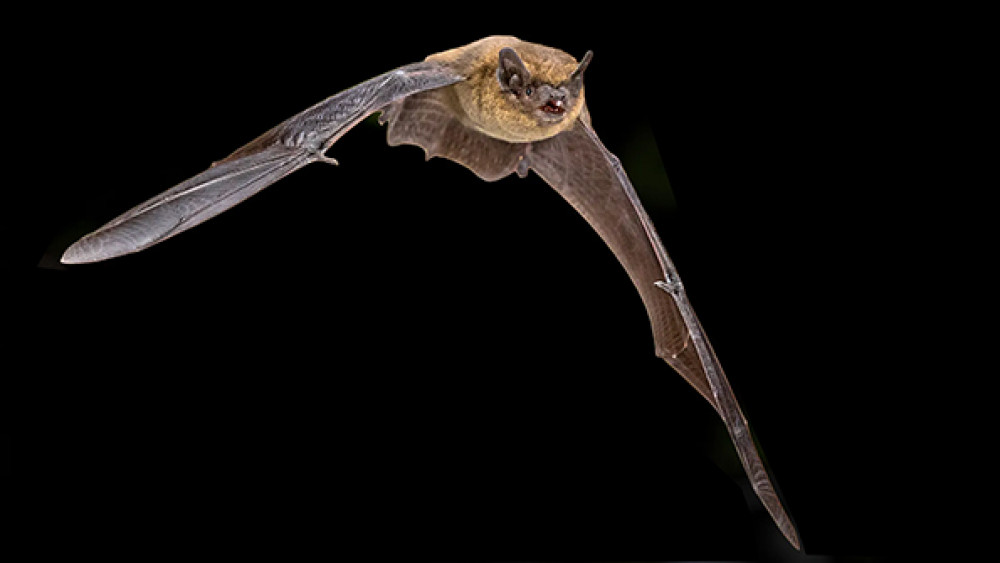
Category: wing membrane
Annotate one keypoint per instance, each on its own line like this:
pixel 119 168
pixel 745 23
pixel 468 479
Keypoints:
pixel 290 145
pixel 592 180
pixel 186 204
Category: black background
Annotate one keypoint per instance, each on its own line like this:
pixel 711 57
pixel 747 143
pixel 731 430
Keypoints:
pixel 393 357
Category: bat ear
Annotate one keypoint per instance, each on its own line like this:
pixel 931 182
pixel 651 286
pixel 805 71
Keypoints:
pixel 576 79
pixel 511 72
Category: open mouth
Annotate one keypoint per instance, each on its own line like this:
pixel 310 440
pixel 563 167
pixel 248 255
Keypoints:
pixel 553 106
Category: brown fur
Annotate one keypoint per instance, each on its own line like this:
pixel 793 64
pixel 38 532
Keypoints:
pixel 482 105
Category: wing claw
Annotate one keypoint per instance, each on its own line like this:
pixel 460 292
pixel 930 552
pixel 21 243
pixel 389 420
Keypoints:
pixel 327 159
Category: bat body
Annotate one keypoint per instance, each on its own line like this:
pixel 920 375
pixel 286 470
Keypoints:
pixel 496 106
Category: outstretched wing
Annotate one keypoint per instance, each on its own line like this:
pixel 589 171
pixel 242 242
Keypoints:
pixel 592 180
pixel 296 142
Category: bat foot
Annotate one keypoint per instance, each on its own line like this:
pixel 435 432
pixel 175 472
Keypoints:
pixel 522 167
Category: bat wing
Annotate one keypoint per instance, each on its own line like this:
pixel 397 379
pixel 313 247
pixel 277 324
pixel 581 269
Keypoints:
pixel 427 120
pixel 294 143
pixel 592 180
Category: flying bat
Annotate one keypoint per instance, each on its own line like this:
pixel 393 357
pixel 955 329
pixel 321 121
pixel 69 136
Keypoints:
pixel 496 106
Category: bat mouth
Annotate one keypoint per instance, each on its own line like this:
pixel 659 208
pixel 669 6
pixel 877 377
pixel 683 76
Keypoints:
pixel 554 107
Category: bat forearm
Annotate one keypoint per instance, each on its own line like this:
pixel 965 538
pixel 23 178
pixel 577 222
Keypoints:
pixel 317 128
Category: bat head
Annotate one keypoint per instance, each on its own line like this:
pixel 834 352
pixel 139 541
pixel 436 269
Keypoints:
pixel 546 101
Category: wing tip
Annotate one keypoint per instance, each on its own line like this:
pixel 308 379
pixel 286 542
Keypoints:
pixel 87 251
pixel 788 530
pixel 793 539
pixel 77 254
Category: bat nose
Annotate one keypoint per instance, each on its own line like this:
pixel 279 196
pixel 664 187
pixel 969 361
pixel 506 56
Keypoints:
pixel 555 94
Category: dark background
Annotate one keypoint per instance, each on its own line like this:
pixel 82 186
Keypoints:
pixel 400 359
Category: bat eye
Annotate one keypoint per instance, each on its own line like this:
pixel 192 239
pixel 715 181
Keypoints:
pixel 528 91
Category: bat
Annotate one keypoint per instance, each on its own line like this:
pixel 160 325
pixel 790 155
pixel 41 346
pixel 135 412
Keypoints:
pixel 496 106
